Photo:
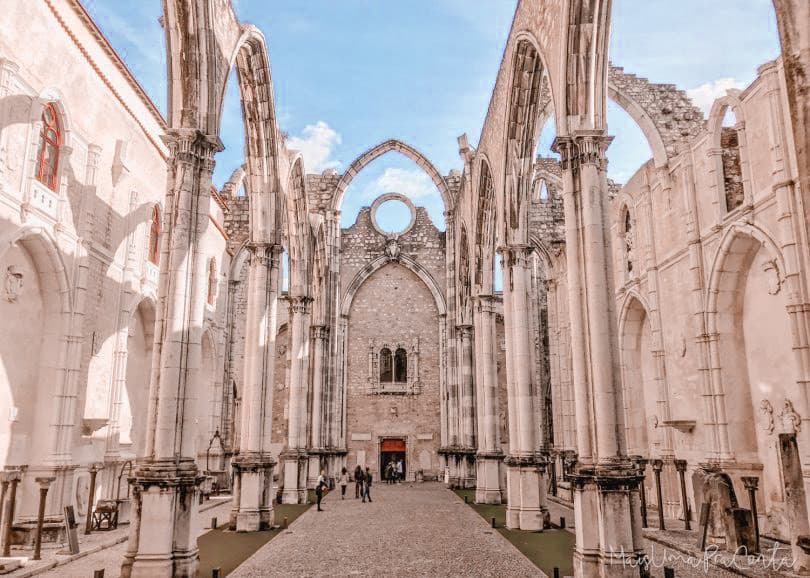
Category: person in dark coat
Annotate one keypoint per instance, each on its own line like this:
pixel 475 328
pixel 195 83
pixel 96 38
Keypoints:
pixel 320 486
pixel 358 481
pixel 367 485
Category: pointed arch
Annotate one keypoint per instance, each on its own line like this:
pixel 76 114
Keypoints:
pixel 376 151
pixel 371 268
pixel 484 246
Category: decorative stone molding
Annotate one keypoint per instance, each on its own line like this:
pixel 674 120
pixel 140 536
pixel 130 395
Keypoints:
pixel 766 411
pixel 771 269
pixel 412 385
pixel 791 420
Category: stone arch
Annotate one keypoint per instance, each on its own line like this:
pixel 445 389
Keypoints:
pixel 665 114
pixel 376 151
pixel 140 340
pixel 379 263
pixel 485 217
pixel 732 266
pixel 635 362
pixel 729 153
pixel 29 255
pixel 299 230
pixel 209 405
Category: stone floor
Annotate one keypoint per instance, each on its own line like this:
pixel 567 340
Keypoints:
pixel 409 530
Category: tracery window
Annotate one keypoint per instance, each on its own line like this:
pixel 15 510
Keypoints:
pixel 212 280
pixel 154 236
pixel 401 366
pixel 50 141
pixel 386 366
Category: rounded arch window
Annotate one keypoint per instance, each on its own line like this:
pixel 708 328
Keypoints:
pixel 50 142
pixel 401 366
pixel 386 365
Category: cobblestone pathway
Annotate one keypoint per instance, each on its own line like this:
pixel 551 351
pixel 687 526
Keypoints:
pixel 409 530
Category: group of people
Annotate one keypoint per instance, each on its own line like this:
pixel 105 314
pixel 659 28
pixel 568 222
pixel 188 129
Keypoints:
pixel 394 471
pixel 362 485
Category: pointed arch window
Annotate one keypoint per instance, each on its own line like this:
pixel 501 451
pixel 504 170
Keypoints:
pixel 154 236
pixel 732 165
pixel 212 280
pixel 386 365
pixel 50 142
pixel 401 366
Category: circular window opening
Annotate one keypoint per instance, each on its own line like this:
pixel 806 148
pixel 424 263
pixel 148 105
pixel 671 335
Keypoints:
pixel 393 216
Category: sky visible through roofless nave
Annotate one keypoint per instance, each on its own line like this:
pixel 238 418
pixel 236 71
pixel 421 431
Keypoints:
pixel 349 74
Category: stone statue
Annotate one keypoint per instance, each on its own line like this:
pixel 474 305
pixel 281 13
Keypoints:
pixel 791 421
pixel 13 283
pixel 766 409
pixel 392 249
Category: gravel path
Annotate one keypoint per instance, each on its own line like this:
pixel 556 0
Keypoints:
pixel 409 530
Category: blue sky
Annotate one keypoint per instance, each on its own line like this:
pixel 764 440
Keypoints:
pixel 353 73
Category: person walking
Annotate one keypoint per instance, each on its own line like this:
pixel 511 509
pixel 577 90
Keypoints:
pixel 320 485
pixel 389 472
pixel 367 485
pixel 358 481
pixel 399 471
pixel 344 481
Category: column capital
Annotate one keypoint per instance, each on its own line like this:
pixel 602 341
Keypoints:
pixel 187 143
pixel 300 304
pixel 319 332
pixel 466 331
pixel 582 147
pixel 515 254
pixel 750 482
pixel 264 253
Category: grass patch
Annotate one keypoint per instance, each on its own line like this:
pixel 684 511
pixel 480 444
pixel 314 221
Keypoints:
pixel 226 550
pixel 546 550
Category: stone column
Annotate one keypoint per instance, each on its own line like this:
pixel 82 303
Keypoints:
pixel 489 456
pixel 295 455
pixel 526 484
pixel 320 345
pixel 467 405
pixel 162 539
pixel 253 466
pixel 605 482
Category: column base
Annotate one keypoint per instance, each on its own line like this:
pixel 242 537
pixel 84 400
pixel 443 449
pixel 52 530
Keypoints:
pixel 163 540
pixel 253 505
pixel 295 478
pixel 608 522
pixel 488 479
pixel 526 494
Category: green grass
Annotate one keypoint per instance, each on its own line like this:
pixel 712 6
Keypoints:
pixel 226 550
pixel 547 550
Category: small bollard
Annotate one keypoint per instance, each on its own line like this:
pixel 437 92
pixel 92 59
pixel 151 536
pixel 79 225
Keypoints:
pixel 562 522
pixel 465 500
pixel 556 572
pixel 214 523
pixel 98 573
pixel 216 573
pixel 284 523
pixel 669 572
pixel 493 523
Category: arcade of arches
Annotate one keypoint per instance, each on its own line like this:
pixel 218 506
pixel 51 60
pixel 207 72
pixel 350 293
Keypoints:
pixel 182 337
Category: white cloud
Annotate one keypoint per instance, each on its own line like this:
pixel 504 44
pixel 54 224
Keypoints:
pixel 317 143
pixel 704 95
pixel 414 184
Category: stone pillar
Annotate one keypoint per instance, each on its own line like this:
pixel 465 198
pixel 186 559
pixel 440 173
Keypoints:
pixel 163 539
pixel 605 482
pixel 253 466
pixel 489 456
pixel 295 455
pixel 320 349
pixel 526 484
pixel 467 387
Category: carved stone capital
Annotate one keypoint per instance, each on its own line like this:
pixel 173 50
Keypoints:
pixel 320 332
pixel 300 305
pixel 465 331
